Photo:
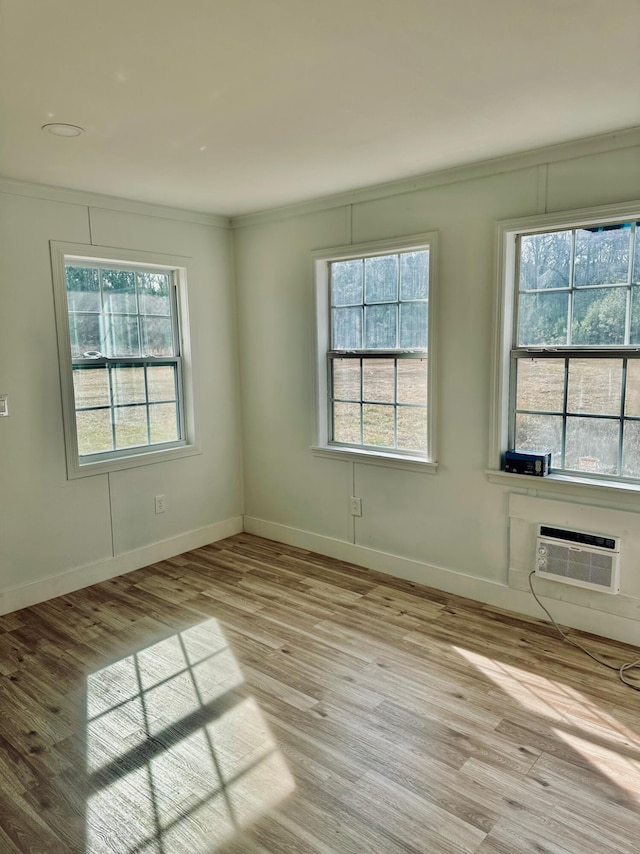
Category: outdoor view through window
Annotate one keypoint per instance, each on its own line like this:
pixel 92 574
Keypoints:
pixel 125 357
pixel 576 354
pixel 378 355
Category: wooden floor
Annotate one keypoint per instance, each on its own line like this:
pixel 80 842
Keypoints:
pixel 252 697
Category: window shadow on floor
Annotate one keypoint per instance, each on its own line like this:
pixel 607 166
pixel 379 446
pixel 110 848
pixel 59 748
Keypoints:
pixel 179 757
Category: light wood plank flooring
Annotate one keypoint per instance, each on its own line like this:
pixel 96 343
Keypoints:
pixel 251 697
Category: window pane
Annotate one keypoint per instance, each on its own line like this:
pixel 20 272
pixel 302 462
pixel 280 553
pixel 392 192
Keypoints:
pixel 542 319
pixel 545 260
pixel 414 275
pixel 123 314
pixel 346 379
pixel 413 325
pixel 122 336
pixel 379 303
pixel 346 282
pixel 83 289
pixel 634 337
pixel 595 386
pixel 412 381
pixel 163 423
pixel 632 396
pixel 91 387
pixel 378 380
pixel 602 255
pixel 161 382
pixel 380 327
pixel 412 428
pixel 119 291
pixel 85 335
pixel 347 328
pixel 636 256
pixel 157 336
pixel 631 449
pixel 540 433
pixel 381 279
pixel 128 385
pixel 378 426
pixel 94 431
pixel 599 316
pixel 131 426
pixel 540 384
pixel 346 423
pixel 153 293
pixel 592 445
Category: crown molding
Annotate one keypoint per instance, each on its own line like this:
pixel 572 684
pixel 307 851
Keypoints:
pixel 111 203
pixel 628 138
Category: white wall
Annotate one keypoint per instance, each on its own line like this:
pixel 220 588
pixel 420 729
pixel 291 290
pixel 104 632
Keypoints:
pixel 58 534
pixel 450 529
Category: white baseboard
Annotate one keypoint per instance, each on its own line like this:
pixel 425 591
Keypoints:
pixel 588 619
pixel 25 595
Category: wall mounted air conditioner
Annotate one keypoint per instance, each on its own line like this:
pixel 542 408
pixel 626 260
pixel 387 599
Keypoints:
pixel 579 558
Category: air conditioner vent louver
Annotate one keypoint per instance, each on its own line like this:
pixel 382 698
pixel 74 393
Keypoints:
pixel 579 558
pixel 597 540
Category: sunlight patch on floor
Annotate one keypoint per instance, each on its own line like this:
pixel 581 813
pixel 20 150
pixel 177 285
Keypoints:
pixel 610 746
pixel 178 759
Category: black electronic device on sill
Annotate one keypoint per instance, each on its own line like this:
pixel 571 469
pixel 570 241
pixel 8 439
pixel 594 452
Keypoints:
pixel 536 463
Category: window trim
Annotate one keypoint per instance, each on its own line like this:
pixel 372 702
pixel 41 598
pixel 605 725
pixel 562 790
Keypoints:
pixel 506 232
pixel 321 260
pixel 127 457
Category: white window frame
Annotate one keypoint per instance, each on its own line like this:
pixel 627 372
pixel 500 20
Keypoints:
pixel 321 261
pixel 507 232
pixel 116 460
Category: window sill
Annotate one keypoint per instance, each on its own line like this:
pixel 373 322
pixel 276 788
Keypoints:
pixel 394 461
pixel 131 461
pixel 563 484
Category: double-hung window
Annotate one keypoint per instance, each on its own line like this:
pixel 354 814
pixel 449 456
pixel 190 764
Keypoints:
pixel 121 342
pixel 572 311
pixel 375 348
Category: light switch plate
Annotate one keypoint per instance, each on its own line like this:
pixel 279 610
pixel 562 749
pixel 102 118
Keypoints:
pixel 4 404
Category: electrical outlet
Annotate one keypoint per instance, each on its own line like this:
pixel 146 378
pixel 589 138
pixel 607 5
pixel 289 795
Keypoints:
pixel 356 506
pixel 160 504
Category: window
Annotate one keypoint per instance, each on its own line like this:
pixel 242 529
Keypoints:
pixel 574 353
pixel 121 344
pixel 375 362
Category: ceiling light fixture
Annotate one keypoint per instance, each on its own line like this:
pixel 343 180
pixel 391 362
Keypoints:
pixel 60 129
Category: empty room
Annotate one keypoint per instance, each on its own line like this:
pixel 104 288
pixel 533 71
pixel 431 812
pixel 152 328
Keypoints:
pixel 319 427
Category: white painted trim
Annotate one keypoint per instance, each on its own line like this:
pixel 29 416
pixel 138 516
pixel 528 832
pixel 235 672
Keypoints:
pixel 626 138
pixel 571 218
pixel 506 232
pixel 110 203
pixel 606 492
pixel 321 259
pixel 471 587
pixel 179 266
pixel 25 595
pixel 360 457
pixel 504 255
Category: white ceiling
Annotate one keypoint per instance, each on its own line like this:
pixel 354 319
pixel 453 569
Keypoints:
pixel 231 106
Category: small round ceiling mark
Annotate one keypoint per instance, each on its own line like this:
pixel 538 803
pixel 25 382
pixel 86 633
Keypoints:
pixel 62 129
